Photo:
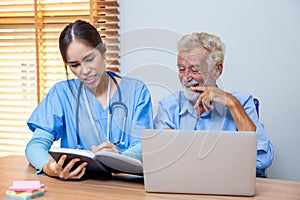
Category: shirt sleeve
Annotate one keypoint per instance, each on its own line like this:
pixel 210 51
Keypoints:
pixel 49 114
pixel 37 149
pixel 264 156
pixel 264 159
pixel 141 119
pixel 142 114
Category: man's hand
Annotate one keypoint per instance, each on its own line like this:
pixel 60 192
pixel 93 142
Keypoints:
pixel 209 95
pixel 214 94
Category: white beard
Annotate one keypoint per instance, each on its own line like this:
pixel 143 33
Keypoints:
pixel 189 93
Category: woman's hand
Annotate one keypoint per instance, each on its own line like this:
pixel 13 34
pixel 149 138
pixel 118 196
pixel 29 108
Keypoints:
pixel 105 146
pixel 55 169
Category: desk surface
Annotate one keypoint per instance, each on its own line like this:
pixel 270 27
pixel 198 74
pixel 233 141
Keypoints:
pixel 124 187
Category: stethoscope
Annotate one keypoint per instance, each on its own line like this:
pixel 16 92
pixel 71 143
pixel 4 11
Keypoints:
pixel 111 108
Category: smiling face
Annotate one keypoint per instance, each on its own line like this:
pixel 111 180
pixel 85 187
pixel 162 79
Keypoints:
pixel 193 70
pixel 86 63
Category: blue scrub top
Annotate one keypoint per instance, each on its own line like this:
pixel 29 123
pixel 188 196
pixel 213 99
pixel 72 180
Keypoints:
pixel 57 112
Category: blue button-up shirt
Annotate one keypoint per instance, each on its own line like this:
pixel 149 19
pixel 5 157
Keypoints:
pixel 177 112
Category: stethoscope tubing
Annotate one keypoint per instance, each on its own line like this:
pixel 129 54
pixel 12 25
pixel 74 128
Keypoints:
pixel 111 108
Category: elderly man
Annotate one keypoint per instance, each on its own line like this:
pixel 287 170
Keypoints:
pixel 202 105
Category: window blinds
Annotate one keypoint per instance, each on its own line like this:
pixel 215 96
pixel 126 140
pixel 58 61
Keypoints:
pixel 30 62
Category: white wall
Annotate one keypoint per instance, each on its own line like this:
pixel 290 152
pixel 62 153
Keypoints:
pixel 263 52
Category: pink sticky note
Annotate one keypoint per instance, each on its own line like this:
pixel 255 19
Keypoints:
pixel 28 186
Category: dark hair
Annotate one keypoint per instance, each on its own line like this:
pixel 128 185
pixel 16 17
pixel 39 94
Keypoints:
pixel 83 32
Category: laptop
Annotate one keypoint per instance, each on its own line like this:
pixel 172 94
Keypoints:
pixel 199 162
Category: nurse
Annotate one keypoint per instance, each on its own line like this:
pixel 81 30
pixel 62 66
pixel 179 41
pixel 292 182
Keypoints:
pixel 97 110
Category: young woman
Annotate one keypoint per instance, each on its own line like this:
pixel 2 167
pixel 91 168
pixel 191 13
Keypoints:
pixel 98 110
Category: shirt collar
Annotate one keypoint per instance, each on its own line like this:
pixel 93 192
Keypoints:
pixel 186 105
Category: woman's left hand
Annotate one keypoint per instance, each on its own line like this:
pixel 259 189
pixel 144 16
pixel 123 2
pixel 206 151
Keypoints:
pixel 105 146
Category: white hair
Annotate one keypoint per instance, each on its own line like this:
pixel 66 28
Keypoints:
pixel 211 43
